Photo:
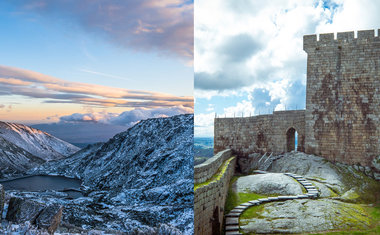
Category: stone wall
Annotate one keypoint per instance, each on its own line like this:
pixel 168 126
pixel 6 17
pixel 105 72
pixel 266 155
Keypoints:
pixel 206 170
pixel 209 200
pixel 263 133
pixel 343 97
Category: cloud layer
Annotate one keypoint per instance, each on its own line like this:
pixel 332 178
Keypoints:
pixel 16 81
pixel 127 118
pixel 94 127
pixel 165 26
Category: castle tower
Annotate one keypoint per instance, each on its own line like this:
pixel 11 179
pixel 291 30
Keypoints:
pixel 343 96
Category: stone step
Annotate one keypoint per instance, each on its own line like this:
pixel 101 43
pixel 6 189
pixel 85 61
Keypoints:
pixel 312 195
pixel 255 202
pixel 298 178
pixel 237 211
pixel 232 221
pixel 259 172
pixel 312 191
pixel 232 233
pixel 232 228
pixel 246 204
pixel 302 196
pixel 233 214
pixel 309 187
pixel 273 198
pixel 307 184
pixel 263 200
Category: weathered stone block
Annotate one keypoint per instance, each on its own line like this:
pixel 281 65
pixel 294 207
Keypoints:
pixel 21 210
pixel 50 218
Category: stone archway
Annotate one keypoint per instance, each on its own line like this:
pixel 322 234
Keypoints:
pixel 290 139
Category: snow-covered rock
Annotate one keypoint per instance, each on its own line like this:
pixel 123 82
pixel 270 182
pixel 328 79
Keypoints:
pixel 36 142
pixel 147 174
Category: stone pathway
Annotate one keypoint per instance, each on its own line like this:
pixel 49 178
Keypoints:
pixel 232 218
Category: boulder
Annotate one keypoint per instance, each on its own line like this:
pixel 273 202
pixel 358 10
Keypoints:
pixel 50 218
pixel 21 210
pixel 305 216
pixel 271 183
pixel 2 199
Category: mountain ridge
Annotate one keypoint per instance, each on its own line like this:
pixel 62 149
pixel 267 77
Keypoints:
pixel 23 147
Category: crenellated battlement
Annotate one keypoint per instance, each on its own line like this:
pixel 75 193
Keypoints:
pixel 328 39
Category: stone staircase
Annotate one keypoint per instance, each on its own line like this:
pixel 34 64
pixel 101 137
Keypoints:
pixel 232 218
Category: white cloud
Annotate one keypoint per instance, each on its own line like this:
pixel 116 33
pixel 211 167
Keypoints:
pixel 127 118
pixel 204 125
pixel 243 108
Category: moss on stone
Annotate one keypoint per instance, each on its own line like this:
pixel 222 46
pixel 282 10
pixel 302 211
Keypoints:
pixel 332 192
pixel 250 213
pixel 353 216
pixel 219 173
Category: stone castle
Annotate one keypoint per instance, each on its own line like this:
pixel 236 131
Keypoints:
pixel 342 117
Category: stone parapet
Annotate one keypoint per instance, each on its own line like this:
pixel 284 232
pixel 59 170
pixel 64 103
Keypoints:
pixel 209 201
pixel 206 170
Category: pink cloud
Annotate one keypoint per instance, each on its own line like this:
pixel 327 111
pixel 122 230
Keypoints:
pixel 32 84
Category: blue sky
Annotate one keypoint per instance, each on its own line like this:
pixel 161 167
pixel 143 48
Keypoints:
pixel 95 61
pixel 248 54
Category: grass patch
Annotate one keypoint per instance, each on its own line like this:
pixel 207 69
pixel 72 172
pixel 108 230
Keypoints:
pixel 250 213
pixel 219 173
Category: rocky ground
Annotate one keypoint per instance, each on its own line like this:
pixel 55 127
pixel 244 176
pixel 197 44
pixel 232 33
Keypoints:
pixel 348 201
pixel 139 182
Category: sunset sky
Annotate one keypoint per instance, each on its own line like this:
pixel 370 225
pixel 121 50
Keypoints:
pixel 249 57
pixel 109 62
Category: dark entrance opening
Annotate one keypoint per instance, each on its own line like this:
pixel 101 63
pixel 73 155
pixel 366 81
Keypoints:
pixel 291 139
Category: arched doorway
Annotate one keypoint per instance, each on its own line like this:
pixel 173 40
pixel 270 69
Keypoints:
pixel 291 139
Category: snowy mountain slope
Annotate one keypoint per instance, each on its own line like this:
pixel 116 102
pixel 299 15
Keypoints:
pixel 36 142
pixel 143 156
pixel 15 160
pixel 150 166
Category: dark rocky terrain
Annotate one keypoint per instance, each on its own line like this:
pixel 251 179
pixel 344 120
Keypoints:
pixel 140 181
